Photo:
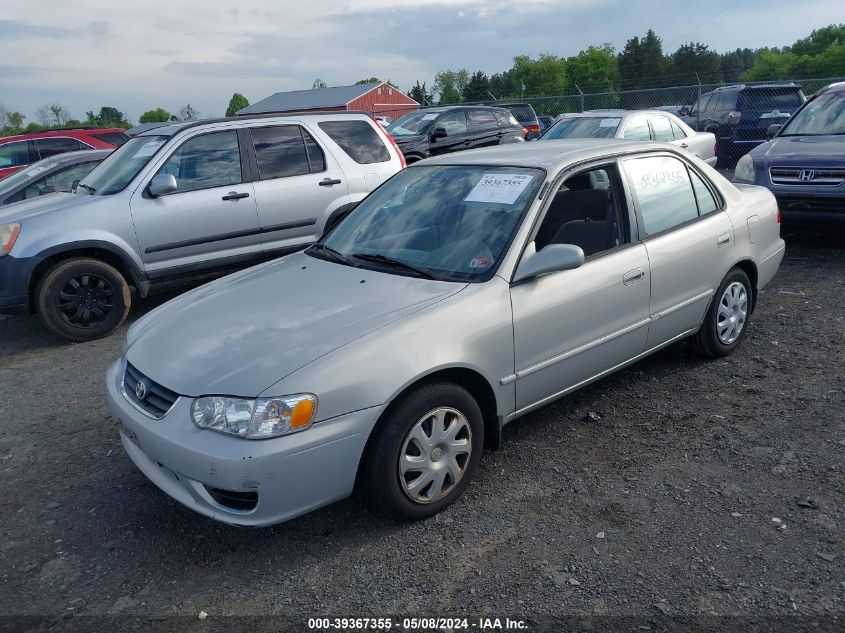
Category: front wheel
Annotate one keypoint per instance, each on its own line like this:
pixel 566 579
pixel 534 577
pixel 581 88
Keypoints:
pixel 425 452
pixel 82 299
pixel 727 317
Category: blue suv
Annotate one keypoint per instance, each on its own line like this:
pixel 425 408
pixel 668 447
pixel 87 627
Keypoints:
pixel 803 165
pixel 740 115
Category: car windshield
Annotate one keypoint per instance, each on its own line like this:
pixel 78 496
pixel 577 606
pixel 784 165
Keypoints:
pixel 583 127
pixel 823 115
pixel 121 166
pixel 412 124
pixel 450 222
pixel 12 182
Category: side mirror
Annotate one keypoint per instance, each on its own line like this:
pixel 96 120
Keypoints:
pixel 438 132
pixel 684 111
pixel 773 129
pixel 162 184
pixel 553 258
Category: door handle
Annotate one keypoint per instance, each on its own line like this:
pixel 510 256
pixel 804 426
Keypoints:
pixel 723 239
pixel 633 276
pixel 328 182
pixel 234 195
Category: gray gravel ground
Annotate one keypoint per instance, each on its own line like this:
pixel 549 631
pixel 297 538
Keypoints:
pixel 676 487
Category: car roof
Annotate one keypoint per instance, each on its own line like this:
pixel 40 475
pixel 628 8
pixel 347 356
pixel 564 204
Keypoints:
pixel 740 87
pixel 170 129
pixel 838 86
pixel 548 155
pixel 53 132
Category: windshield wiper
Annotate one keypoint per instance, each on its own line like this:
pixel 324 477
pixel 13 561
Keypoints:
pixel 398 263
pixel 87 188
pixel 328 250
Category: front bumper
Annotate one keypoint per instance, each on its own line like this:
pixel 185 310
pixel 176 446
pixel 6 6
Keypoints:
pixel 289 475
pixel 14 281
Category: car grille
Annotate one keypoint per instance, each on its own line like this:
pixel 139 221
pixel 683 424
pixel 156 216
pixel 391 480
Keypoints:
pixel 157 400
pixel 821 176
pixel 810 203
pixel 243 501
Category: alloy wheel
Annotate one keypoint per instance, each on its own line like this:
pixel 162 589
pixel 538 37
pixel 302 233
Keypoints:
pixel 86 301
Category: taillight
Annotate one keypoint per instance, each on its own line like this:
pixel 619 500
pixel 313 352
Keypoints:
pixel 734 117
pixel 778 215
pixel 533 128
pixel 402 160
pixel 715 147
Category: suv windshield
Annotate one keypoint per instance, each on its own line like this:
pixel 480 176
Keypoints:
pixel 120 167
pixel 412 124
pixel 445 222
pixel 583 127
pixel 824 115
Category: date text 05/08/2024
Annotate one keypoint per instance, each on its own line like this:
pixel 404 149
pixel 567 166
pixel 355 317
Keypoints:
pixel 444 625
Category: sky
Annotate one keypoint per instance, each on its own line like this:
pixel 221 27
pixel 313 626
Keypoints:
pixel 145 54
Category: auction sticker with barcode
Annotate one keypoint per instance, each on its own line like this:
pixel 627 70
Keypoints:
pixel 501 188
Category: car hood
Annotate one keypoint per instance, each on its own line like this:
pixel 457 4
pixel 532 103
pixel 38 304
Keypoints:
pixel 802 151
pixel 50 203
pixel 241 334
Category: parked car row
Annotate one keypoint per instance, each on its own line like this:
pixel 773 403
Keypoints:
pixel 50 175
pixel 16 152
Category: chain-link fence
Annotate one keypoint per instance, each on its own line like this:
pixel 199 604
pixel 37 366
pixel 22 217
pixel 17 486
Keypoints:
pixel 740 115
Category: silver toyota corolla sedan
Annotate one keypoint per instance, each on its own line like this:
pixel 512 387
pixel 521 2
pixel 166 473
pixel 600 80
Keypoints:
pixel 463 293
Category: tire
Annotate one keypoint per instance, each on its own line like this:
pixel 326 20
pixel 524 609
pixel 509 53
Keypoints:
pixel 82 299
pixel 715 339
pixel 401 496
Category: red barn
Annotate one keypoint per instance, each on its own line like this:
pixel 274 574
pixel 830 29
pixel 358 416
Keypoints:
pixel 379 99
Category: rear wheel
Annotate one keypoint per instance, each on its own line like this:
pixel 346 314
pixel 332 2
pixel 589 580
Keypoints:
pixel 82 299
pixel 727 317
pixel 425 452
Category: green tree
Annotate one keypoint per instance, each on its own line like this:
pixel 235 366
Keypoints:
pixel 450 84
pixel 318 83
pixel 478 87
pixel 13 122
pixel 371 80
pixel 771 64
pixel 501 85
pixel 592 70
pixel 820 40
pixel 734 63
pixel 695 60
pixel 829 63
pixel 237 103
pixel 108 116
pixel 419 94
pixel 155 116
pixel 642 63
pixel 544 76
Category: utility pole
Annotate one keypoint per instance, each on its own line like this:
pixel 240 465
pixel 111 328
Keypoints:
pixel 581 92
pixel 522 90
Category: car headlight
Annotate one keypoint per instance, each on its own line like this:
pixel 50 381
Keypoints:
pixel 8 234
pixel 745 169
pixel 255 419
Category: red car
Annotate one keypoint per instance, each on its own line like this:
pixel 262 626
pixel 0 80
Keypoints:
pixel 16 152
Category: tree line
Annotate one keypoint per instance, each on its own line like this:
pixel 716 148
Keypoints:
pixel 642 63
pixel 55 115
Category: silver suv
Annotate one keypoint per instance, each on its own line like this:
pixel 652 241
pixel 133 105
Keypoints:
pixel 184 199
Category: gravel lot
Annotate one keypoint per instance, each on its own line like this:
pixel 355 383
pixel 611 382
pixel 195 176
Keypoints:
pixel 675 488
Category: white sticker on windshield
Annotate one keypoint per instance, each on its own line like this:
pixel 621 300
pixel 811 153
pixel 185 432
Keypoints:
pixel 609 122
pixel 148 149
pixel 429 117
pixel 501 188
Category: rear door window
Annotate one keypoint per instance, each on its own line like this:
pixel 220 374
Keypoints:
pixel 206 161
pixel 706 201
pixel 637 129
pixel 663 190
pixel 281 151
pixel 678 131
pixel 51 146
pixel 505 119
pixel 481 120
pixel 358 139
pixel 455 122
pixel 662 129
pixel 16 154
